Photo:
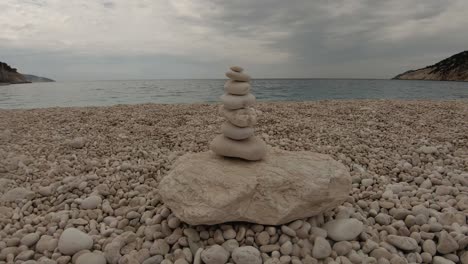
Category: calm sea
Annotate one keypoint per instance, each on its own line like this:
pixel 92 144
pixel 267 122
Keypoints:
pixel 97 93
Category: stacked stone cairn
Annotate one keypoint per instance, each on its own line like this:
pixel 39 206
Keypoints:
pixel 244 183
pixel 238 139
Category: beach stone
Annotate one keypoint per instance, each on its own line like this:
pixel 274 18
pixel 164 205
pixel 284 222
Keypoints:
pixel 46 242
pixel 237 88
pixel 236 68
pixel 429 246
pixel 77 143
pixel 215 254
pixel 230 245
pixel 286 248
pixel 17 194
pixel 426 257
pixel 234 102
pixel 448 218
pixel 321 249
pixel 44 260
pixel 6 212
pixel 73 240
pixel 5 185
pixel 464 257
pixel 154 260
pixel 245 117
pixel 246 255
pixel 343 229
pixel 383 219
pixel 453 257
pixel 381 252
pixel 237 133
pixel 401 242
pixel 367 182
pixel 269 248
pixel 25 255
pixel 427 149
pixel 173 223
pixel 30 239
pixel 369 245
pixel 204 188
pixel 192 234
pixel 91 258
pixel 252 148
pixel 446 243
pixel 160 247
pixel 441 260
pixel 342 248
pixel 91 202
pixel 262 238
pixel 46 190
pixel 238 76
pixel 288 231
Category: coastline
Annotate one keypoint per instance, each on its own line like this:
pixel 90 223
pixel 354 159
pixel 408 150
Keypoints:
pixel 259 102
pixel 61 156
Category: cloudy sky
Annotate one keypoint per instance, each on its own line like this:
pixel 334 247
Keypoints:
pixel 123 39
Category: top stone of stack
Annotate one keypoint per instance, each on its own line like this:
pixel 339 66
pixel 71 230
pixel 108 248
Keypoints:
pixel 238 138
pixel 237 74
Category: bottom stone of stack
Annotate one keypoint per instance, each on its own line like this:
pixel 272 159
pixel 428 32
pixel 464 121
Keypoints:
pixel 252 148
pixel 238 133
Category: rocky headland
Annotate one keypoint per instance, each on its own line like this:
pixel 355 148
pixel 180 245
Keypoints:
pixel 454 68
pixel 10 75
pixel 81 185
pixel 34 78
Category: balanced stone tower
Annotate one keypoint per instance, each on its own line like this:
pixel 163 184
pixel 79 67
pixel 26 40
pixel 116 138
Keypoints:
pixel 281 186
pixel 238 139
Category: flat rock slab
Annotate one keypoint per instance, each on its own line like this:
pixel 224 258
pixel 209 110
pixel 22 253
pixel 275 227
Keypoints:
pixel 204 188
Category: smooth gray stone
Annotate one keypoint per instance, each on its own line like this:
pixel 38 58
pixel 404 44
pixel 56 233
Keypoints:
pixel 234 102
pixel 343 229
pixel 252 148
pixel 237 133
pixel 236 68
pixel 237 88
pixel 73 240
pixel 238 76
pixel 244 117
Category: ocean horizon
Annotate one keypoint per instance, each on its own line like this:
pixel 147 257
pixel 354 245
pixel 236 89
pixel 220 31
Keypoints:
pixel 112 92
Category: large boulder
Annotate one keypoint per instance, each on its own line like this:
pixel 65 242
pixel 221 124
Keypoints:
pixel 204 188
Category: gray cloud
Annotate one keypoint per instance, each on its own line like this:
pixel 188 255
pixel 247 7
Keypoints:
pixel 197 38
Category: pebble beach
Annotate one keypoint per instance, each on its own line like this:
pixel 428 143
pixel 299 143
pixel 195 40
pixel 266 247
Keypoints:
pixel 80 185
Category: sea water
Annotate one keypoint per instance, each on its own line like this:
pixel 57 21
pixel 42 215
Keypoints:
pixel 100 93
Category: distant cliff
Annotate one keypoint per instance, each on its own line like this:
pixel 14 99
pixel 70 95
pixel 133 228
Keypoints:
pixel 454 68
pixel 34 78
pixel 10 75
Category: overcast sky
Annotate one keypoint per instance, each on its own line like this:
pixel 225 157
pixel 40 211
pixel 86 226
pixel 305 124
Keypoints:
pixel 123 39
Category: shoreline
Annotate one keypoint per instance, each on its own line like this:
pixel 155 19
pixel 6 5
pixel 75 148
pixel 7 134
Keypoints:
pixel 97 169
pixel 462 100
